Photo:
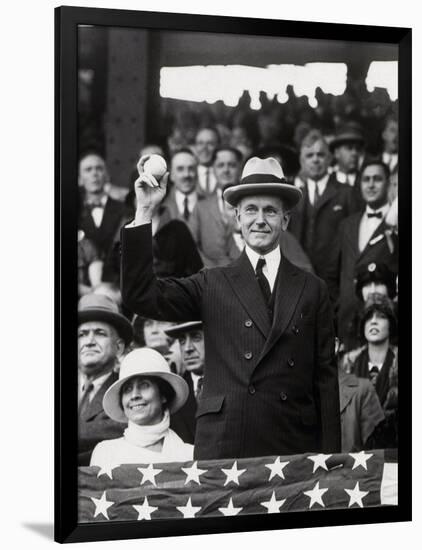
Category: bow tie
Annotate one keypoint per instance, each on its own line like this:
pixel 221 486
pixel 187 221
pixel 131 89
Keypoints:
pixel 95 203
pixel 374 214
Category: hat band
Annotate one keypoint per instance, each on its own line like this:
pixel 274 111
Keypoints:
pixel 262 178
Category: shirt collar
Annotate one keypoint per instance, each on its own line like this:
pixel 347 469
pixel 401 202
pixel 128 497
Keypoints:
pixel 272 257
pixel 321 181
pixel 97 382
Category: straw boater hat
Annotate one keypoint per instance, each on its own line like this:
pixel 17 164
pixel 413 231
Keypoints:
pixel 143 362
pixel 98 307
pixel 263 177
pixel 177 330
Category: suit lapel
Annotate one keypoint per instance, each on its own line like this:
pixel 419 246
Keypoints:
pixel 242 279
pixel 348 385
pixel 329 192
pixel 379 231
pixel 96 405
pixel 289 287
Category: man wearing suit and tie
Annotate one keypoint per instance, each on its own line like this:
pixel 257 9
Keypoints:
pixel 182 198
pixel 270 380
pixel 100 215
pixel 191 339
pixel 211 223
pixel 206 142
pixel 325 203
pixel 363 238
pixel 103 334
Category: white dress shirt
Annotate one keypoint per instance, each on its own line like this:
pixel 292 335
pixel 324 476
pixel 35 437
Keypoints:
pixel 390 159
pixel 202 178
pixel 180 201
pixel 369 225
pixel 312 184
pixel 272 262
pixel 349 179
pixel 97 212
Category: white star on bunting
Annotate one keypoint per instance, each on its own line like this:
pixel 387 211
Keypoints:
pixel 189 511
pixel 319 461
pixel 316 495
pixel 230 510
pixel 360 459
pixel 276 468
pixel 232 474
pixel 356 495
pixel 106 470
pixel 101 505
pixel 144 510
pixel 273 506
pixel 193 473
pixel 148 474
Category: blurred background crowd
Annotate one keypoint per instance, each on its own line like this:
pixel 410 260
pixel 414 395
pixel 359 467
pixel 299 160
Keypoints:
pixel 342 152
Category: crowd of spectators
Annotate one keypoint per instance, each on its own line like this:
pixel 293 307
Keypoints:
pixel 343 155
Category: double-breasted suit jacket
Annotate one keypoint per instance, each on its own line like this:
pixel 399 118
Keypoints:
pixel 95 426
pixel 315 227
pixel 351 260
pixel 268 388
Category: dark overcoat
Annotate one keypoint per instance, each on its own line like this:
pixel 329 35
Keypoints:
pixel 316 227
pixel 95 426
pixel 269 388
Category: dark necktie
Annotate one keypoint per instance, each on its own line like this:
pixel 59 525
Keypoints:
pixel 262 280
pixel 207 180
pixel 84 403
pixel 186 212
pixel 198 391
pixel 374 214
pixel 373 374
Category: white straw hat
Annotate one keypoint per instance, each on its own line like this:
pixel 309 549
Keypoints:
pixel 143 362
pixel 263 177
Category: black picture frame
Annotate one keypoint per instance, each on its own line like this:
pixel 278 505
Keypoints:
pixel 67 20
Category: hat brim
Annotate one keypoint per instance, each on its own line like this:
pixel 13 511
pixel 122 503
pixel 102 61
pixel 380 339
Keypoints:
pixel 290 194
pixel 336 142
pixel 119 322
pixel 111 400
pixel 177 330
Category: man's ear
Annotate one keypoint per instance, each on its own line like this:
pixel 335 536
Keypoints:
pixel 120 345
pixel 285 220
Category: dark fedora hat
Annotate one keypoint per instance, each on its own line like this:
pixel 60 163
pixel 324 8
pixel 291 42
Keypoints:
pixel 98 307
pixel 263 177
pixel 177 330
pixel 350 133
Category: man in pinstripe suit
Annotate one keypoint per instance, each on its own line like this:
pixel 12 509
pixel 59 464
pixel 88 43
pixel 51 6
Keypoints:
pixel 270 381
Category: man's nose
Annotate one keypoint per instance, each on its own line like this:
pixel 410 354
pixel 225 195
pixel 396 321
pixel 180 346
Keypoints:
pixel 260 218
pixel 188 344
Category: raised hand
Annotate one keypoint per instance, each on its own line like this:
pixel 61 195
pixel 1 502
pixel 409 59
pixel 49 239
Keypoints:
pixel 150 191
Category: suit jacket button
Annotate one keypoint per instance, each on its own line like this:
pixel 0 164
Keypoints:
pixel 248 323
pixel 295 329
pixel 248 355
pixel 283 396
pixel 251 389
pixel 291 362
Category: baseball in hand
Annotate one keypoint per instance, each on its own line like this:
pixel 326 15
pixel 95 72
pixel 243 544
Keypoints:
pixel 155 166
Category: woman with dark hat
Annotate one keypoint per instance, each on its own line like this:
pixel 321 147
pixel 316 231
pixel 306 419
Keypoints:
pixel 144 397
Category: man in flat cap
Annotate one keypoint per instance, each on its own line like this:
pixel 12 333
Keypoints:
pixel 191 339
pixel 270 380
pixel 103 334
